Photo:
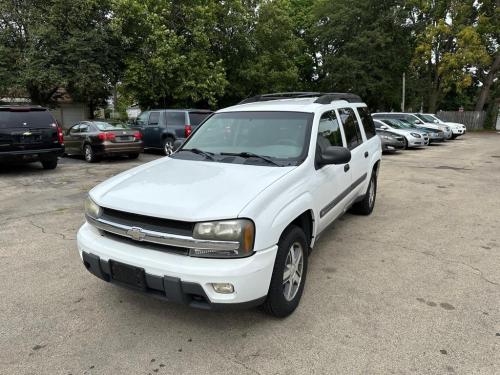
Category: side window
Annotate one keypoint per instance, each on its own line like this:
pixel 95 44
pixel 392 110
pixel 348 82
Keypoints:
pixel 84 128
pixel 142 119
pixel 367 121
pixel 176 118
pixel 351 128
pixel 154 118
pixel 378 124
pixel 329 131
pixel 75 129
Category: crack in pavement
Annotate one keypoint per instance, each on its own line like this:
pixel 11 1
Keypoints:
pixel 44 231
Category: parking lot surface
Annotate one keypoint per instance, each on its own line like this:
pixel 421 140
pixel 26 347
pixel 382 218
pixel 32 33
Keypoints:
pixel 413 288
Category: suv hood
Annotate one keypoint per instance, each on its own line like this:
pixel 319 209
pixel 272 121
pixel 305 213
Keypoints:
pixel 186 190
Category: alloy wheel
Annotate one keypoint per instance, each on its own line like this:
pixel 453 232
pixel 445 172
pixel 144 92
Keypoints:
pixel 292 275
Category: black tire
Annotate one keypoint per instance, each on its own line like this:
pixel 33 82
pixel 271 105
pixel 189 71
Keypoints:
pixel 406 143
pixel 133 156
pixel 49 163
pixel 276 303
pixel 454 136
pixel 89 154
pixel 168 146
pixel 365 206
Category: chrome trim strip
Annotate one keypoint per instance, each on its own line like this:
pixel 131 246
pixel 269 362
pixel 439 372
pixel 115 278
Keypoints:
pixel 163 238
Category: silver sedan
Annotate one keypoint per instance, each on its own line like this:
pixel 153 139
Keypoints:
pixel 412 137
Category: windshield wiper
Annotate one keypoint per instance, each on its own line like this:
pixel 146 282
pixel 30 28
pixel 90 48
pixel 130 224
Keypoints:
pixel 247 155
pixel 206 154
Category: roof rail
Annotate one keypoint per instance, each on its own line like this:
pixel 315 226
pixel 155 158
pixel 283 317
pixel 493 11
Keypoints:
pixel 327 98
pixel 323 98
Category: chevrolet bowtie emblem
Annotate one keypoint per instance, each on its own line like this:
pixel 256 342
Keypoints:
pixel 136 234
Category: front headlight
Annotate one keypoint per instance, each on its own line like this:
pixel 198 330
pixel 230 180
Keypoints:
pixel 241 231
pixel 416 135
pixel 92 209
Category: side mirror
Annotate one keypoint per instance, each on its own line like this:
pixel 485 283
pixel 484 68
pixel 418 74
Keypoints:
pixel 177 143
pixel 384 127
pixel 334 155
pixel 418 122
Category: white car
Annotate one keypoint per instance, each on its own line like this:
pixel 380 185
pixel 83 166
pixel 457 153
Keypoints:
pixel 456 128
pixel 229 219
pixel 416 121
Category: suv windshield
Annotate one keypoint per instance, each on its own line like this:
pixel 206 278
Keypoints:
pixel 280 136
pixel 27 119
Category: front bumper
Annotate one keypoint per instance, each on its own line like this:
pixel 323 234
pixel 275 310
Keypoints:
pixel 457 131
pixel 392 145
pixel 181 278
pixel 417 142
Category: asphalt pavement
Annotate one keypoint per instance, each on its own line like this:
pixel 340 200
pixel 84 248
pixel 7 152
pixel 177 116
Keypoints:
pixel 413 288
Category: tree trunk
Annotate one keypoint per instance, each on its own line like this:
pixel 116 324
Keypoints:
pixel 490 77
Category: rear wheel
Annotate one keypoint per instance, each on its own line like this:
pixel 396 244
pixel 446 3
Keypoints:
pixel 89 154
pixel 168 146
pixel 365 206
pixel 289 273
pixel 49 163
pixel 133 156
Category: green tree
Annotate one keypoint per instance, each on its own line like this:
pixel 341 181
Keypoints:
pixel 362 49
pixel 61 44
pixel 170 60
pixel 449 47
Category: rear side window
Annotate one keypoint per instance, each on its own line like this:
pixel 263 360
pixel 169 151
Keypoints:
pixel 26 119
pixel 196 118
pixel 154 118
pixel 351 128
pixel 367 121
pixel 329 131
pixel 175 118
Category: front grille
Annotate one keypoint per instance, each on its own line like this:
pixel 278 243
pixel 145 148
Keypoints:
pixel 181 228
pixel 148 245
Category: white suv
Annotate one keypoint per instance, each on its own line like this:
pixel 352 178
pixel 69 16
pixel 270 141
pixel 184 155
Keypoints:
pixel 229 219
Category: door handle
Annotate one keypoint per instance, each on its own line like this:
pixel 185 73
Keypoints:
pixel 346 167
pixel 366 154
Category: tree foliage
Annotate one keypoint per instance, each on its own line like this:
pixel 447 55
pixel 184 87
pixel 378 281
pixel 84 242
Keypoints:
pixel 213 53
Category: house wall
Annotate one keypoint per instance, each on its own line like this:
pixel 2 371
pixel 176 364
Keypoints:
pixel 68 114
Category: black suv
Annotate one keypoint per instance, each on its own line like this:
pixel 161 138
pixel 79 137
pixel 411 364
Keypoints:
pixel 160 128
pixel 30 134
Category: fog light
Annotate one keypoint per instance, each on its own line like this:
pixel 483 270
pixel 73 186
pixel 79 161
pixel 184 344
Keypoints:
pixel 223 288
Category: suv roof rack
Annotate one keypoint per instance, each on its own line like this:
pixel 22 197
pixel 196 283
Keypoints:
pixel 323 97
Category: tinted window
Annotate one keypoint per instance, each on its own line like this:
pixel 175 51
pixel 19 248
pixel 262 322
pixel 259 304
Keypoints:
pixel 143 118
pixel 195 118
pixel 351 128
pixel 28 119
pixel 175 118
pixel 154 118
pixel 367 121
pixel 329 131
pixel 84 128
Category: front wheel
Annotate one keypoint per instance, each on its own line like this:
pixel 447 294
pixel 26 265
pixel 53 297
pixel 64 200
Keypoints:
pixel 406 143
pixel 289 273
pixel 365 206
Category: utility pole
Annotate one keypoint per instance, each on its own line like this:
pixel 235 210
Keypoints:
pixel 404 93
